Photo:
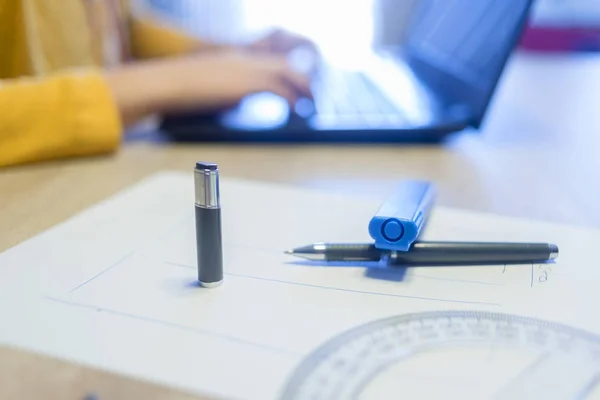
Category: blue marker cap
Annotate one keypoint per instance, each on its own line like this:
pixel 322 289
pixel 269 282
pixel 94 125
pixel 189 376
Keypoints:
pixel 401 218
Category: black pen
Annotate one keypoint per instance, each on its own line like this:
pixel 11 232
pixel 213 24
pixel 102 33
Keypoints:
pixel 433 253
pixel 209 246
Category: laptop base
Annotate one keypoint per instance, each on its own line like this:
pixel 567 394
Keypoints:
pixel 215 133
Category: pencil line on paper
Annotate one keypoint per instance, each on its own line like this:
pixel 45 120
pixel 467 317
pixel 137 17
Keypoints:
pixel 175 325
pixel 454 280
pixel 269 250
pixel 531 283
pixel 178 264
pixel 361 291
pixel 349 290
pixel 102 272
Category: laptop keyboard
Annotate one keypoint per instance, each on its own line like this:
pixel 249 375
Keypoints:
pixel 350 94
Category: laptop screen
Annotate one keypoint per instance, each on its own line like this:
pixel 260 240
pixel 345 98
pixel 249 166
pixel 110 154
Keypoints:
pixel 467 42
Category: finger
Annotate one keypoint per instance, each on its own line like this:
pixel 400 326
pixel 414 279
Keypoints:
pixel 285 41
pixel 268 42
pixel 277 69
pixel 281 67
pixel 282 89
pixel 299 81
pixel 304 60
pixel 282 41
pixel 292 42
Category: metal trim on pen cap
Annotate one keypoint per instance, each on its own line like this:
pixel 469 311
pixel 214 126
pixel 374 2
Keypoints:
pixel 208 224
pixel 206 179
pixel 553 251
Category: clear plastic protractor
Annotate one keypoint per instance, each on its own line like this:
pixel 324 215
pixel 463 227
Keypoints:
pixel 446 354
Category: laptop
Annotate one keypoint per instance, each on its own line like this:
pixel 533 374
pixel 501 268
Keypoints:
pixel 439 81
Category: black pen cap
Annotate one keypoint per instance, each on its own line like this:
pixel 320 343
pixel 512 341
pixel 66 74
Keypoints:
pixel 208 224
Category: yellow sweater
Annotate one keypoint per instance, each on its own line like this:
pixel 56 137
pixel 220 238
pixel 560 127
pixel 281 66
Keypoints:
pixel 54 102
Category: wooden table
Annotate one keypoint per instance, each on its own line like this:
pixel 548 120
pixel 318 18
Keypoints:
pixel 536 157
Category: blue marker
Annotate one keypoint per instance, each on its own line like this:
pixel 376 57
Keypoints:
pixel 401 218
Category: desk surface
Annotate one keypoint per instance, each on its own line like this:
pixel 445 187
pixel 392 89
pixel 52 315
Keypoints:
pixel 536 157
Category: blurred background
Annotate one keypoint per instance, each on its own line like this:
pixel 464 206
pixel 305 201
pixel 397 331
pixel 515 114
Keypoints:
pixel 342 25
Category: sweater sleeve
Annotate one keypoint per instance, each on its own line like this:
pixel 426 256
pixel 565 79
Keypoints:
pixel 150 39
pixel 62 115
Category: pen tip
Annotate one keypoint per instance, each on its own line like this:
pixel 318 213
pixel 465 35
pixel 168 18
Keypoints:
pixel 289 252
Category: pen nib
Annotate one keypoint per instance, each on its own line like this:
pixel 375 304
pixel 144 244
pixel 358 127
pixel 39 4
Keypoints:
pixel 289 252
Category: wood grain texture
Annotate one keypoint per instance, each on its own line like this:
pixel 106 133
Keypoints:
pixel 536 157
pixel 25 376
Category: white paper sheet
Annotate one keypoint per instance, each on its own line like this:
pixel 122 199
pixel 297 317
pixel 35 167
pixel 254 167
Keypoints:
pixel 114 287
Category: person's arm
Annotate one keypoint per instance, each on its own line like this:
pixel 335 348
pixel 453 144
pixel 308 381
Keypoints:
pixel 150 38
pixel 75 114
pixel 58 116
pixel 206 82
